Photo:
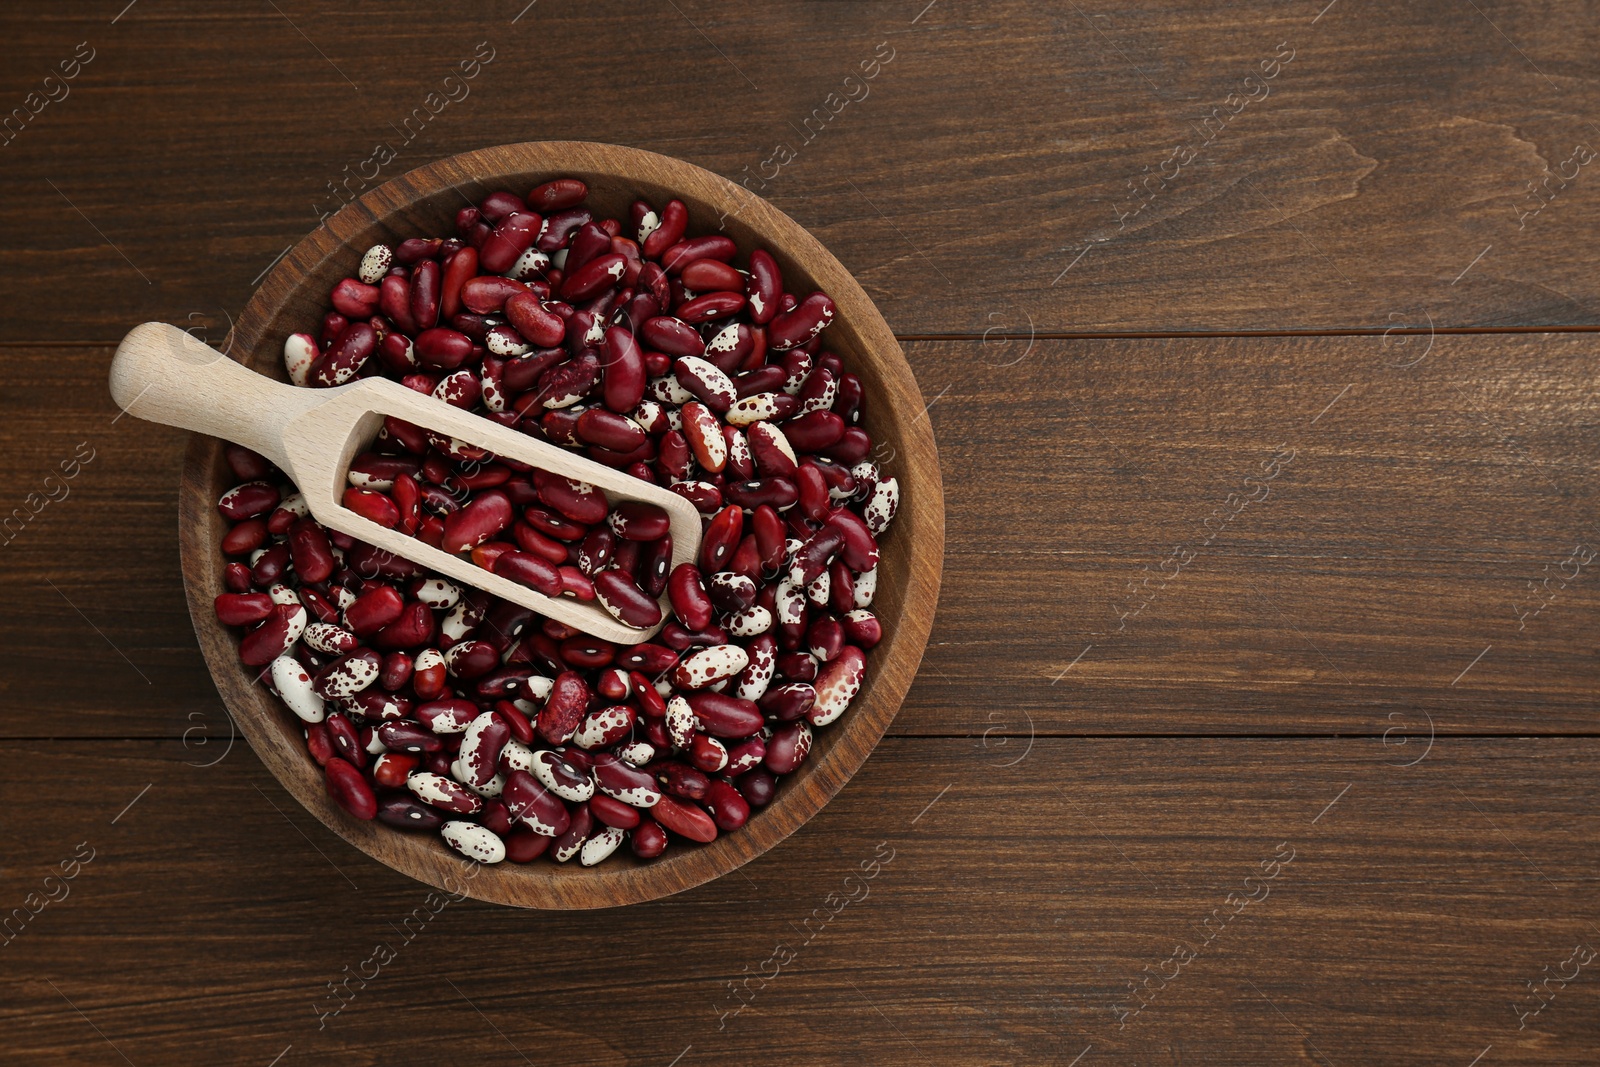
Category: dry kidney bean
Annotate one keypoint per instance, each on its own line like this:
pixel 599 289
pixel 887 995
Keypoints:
pixel 659 358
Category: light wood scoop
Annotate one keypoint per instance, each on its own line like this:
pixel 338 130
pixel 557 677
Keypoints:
pixel 162 374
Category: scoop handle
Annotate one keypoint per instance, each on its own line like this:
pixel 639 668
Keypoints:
pixel 162 374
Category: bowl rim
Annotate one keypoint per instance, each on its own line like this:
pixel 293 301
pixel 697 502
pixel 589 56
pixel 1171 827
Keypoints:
pixel 918 531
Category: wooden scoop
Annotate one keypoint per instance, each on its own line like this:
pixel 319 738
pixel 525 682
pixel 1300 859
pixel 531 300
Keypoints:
pixel 162 374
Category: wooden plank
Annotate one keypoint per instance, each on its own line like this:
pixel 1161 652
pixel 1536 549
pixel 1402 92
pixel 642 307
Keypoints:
pixel 1011 908
pixel 1352 593
pixel 1023 168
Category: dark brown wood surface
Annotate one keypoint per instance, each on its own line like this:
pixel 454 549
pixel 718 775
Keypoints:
pixel 1148 677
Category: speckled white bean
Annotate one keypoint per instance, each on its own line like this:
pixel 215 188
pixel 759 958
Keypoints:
pixel 668 391
pixel 750 622
pixel 473 841
pixel 293 684
pixel 600 846
pixel 681 723
pixel 817 591
pixel 648 224
pixel 709 665
pixel 837 684
pixel 438 593
pixel 375 263
pixel 750 410
pixel 757 677
pixel 516 756
pixel 637 753
pixel 330 639
pixel 562 786
pixel 299 352
pixel 881 508
pixel 866 587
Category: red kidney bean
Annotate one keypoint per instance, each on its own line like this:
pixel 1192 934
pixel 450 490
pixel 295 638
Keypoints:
pixel 858 548
pixel 589 242
pixel 713 246
pixel 648 840
pixel 461 267
pixel 525 846
pixel 270 565
pixel 814 431
pixel 354 299
pixel 622 597
pixel 600 273
pixel 614 812
pixel 709 307
pixel 798 326
pixel 725 716
pixel 728 807
pixel 424 297
pixel 685 819
pixel 708 754
pixel 245 538
pixel 373 610
pixel 623 381
pixel 442 347
pixel 624 782
pixel 654 560
pixel 242 609
pixel 674 220
pixel 598 426
pixel 672 336
pixel 350 790
pixel 639 520
pixel 471 659
pixel 535 320
pixel 531 570
pixel 788 747
pixel 765 286
pixel 681 780
pixel 346 740
pixel 558 195
pixel 247 501
pixel 514 235
pixel 372 506
pixel 415 626
pixel 710 276
pixel 482 518
pixel 788 701
pixel 408 737
pixel 309 551
pixel 281 629
pixel 721 538
pixel 757 787
pixel 407 813
pixel 772 429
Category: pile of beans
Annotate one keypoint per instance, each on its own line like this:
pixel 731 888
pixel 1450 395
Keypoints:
pixel 442 709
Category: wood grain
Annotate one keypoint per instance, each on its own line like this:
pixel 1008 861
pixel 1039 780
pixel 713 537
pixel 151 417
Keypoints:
pixel 1014 909
pixel 1373 594
pixel 1395 547
pixel 995 147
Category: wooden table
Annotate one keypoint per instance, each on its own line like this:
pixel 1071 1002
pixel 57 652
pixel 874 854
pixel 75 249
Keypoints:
pixel 1258 724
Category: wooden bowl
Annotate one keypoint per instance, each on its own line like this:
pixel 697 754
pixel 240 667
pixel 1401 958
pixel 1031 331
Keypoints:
pixel 424 202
